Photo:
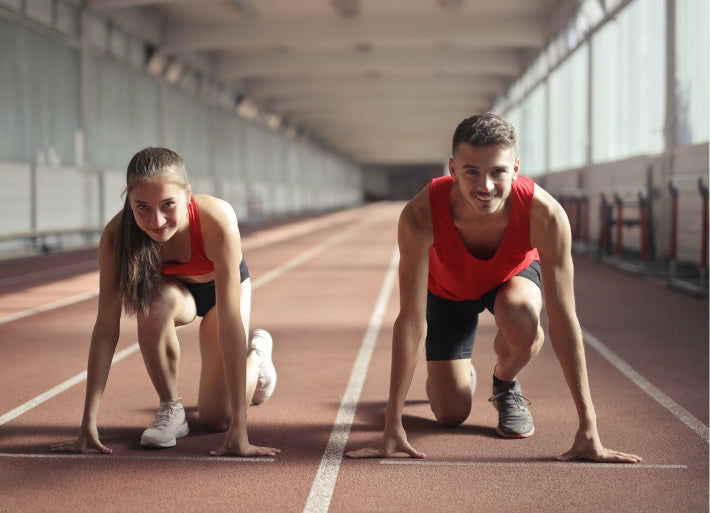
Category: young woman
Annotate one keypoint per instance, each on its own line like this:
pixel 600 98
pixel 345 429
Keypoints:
pixel 168 257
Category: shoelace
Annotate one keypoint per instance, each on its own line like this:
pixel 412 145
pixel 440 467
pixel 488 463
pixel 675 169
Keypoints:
pixel 163 416
pixel 519 399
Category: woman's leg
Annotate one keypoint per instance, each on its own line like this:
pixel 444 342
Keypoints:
pixel 213 402
pixel 158 340
pixel 161 353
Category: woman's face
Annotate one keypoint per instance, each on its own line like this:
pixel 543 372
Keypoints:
pixel 160 207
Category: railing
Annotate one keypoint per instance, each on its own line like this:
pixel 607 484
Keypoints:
pixel 620 210
pixel 46 241
pixel 680 274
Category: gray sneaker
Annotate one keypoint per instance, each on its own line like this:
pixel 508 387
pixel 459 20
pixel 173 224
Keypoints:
pixel 514 419
pixel 168 425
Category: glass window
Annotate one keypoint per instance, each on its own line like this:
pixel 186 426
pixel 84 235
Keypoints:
pixel 692 63
pixel 568 110
pixel 628 83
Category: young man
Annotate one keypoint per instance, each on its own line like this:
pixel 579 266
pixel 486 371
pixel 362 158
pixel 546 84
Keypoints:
pixel 485 237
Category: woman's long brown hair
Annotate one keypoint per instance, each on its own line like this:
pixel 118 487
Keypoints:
pixel 138 265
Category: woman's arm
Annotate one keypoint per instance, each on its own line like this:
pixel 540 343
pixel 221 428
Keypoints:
pixel 223 247
pixel 104 338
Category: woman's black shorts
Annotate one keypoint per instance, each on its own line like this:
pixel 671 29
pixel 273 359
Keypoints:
pixel 204 293
pixel 451 325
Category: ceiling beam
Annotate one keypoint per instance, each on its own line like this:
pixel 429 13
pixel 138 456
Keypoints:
pixel 326 32
pixel 380 85
pixel 108 5
pixel 427 61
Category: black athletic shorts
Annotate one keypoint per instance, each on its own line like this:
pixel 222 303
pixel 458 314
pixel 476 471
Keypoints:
pixel 204 293
pixel 451 325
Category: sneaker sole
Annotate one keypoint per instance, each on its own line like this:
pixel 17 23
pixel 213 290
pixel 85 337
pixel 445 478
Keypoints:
pixel 181 432
pixel 514 435
pixel 264 394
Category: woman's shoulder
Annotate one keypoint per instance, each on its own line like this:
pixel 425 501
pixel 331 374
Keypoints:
pixel 211 204
pixel 110 231
pixel 215 213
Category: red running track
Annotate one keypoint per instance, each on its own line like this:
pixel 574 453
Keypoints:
pixel 326 289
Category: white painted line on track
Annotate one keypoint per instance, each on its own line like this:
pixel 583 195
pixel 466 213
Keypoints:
pixel 305 256
pixel 275 273
pixel 51 306
pixel 112 457
pixel 324 482
pixel 669 404
pixel 280 236
pixel 49 394
pixel 546 464
pixel 61 271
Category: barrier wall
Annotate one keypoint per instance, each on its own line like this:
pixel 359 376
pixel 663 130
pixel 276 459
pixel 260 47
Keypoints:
pixel 648 211
pixel 46 208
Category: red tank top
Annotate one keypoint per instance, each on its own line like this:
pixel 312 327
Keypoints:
pixel 199 263
pixel 453 272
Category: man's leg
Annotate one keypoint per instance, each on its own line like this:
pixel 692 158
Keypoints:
pixel 451 330
pixel 449 389
pixel 517 312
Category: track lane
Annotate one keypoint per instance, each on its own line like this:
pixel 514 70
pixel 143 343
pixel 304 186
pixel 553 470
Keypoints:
pixel 318 311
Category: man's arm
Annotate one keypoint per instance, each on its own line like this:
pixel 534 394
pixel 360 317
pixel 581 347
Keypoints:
pixel 415 237
pixel 550 233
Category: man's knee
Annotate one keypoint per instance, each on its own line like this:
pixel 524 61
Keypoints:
pixel 451 419
pixel 451 411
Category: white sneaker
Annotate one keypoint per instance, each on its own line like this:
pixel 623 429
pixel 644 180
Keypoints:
pixel 474 379
pixel 169 424
pixel 262 343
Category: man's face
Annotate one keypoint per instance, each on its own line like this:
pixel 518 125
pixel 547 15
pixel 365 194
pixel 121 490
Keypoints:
pixel 484 175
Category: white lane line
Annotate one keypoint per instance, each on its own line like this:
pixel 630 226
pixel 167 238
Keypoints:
pixel 324 481
pixel 268 238
pixel 669 404
pixel 275 273
pixel 305 256
pixel 113 457
pixel 51 306
pixel 88 265
pixel 41 398
pixel 545 464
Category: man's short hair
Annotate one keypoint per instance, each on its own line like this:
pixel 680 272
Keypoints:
pixel 487 129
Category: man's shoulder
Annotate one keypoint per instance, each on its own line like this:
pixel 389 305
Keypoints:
pixel 544 204
pixel 418 210
pixel 415 220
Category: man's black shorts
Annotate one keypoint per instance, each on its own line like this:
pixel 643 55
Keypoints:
pixel 451 325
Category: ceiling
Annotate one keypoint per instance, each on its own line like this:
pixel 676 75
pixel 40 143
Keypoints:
pixel 384 82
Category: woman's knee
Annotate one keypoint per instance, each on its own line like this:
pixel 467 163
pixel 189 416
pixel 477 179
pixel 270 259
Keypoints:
pixel 213 420
pixel 166 307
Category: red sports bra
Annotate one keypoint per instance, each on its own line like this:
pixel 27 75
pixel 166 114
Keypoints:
pixel 199 263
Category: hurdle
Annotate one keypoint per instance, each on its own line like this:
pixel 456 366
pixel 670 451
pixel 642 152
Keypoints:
pixel 620 210
pixel 681 275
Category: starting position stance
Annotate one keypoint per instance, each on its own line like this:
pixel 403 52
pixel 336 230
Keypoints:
pixel 167 258
pixel 485 238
